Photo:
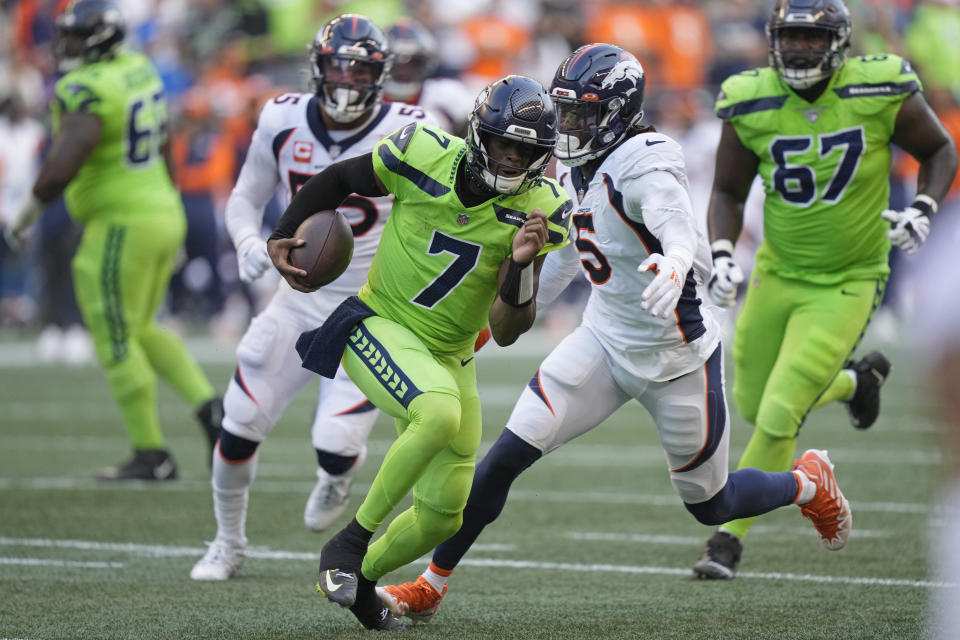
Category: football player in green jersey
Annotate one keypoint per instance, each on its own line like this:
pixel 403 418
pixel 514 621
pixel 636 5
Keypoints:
pixel 818 130
pixel 107 157
pixel 463 247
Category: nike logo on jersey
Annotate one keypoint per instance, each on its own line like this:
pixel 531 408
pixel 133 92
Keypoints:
pixel 650 143
pixel 464 363
pixel 844 292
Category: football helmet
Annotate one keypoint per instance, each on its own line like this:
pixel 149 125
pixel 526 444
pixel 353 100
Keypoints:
pixel 414 58
pixel 802 68
pixel 510 134
pixel 598 90
pixel 87 31
pixel 349 61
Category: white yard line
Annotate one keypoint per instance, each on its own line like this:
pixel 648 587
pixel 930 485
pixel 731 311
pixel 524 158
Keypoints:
pixel 267 554
pixel 46 562
pixel 265 485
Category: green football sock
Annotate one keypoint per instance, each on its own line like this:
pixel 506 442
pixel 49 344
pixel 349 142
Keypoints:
pixel 169 357
pixel 135 389
pixel 768 454
pixel 841 388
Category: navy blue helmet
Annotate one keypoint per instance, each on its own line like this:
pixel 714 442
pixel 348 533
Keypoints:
pixel 598 90
pixel 513 113
pixel 87 31
pixel 414 58
pixel 803 67
pixel 349 61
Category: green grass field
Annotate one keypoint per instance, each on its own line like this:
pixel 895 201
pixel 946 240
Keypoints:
pixel 592 544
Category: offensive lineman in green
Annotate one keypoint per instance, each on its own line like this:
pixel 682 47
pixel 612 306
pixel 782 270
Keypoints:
pixel 818 130
pixel 107 157
pixel 463 248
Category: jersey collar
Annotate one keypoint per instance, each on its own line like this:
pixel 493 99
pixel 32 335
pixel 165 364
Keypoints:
pixel 319 130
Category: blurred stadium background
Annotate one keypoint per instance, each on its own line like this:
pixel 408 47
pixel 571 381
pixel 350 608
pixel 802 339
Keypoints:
pixel 220 61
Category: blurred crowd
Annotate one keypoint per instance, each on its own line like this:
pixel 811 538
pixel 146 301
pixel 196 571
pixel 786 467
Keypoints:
pixel 221 60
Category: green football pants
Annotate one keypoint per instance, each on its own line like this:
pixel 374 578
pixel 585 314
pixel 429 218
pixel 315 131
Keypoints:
pixel 120 274
pixel 434 400
pixel 792 340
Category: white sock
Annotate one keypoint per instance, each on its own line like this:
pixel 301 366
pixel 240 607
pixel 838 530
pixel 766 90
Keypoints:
pixel 231 491
pixel 437 581
pixel 853 376
pixel 808 488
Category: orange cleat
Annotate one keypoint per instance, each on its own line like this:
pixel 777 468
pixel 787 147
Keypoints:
pixel 418 600
pixel 829 511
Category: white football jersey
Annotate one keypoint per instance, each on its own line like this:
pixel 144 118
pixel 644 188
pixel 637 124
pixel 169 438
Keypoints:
pixel 289 146
pixel 449 100
pixel 636 189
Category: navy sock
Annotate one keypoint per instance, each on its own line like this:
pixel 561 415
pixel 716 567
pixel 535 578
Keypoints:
pixel 234 448
pixel 749 492
pixel 506 460
pixel 333 463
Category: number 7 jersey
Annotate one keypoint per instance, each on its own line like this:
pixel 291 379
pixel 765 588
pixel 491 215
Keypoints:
pixel 125 176
pixel 825 165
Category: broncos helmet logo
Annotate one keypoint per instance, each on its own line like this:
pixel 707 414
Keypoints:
pixel 628 69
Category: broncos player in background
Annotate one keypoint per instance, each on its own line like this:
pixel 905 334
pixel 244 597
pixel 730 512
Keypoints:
pixel 415 59
pixel 645 334
pixel 297 136
pixel 470 224
pixel 110 159
pixel 818 129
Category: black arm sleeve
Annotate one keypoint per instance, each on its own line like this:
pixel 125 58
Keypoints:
pixel 327 190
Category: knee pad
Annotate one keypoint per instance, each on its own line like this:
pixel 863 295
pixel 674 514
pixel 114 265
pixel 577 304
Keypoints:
pixel 242 413
pixel 234 448
pixel 436 417
pixel 437 525
pixel 130 376
pixel 713 512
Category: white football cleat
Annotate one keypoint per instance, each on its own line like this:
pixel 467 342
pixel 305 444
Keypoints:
pixel 221 562
pixel 330 496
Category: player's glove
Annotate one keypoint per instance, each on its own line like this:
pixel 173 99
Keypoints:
pixel 252 258
pixel 910 227
pixel 726 276
pixel 22 219
pixel 661 295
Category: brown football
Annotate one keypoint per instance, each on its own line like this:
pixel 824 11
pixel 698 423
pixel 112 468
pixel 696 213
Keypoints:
pixel 327 249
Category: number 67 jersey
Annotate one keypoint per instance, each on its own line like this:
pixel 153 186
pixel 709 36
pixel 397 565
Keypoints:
pixel 825 165
pixel 290 145
pixel 124 177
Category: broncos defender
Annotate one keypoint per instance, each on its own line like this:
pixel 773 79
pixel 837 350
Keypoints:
pixel 463 248
pixel 297 136
pixel 110 159
pixel 645 334
pixel 818 129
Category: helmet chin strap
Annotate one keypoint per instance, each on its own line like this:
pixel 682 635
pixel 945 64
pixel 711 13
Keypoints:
pixel 340 107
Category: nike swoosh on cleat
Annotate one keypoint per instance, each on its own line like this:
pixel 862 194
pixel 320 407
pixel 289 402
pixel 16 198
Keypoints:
pixel 331 585
pixel 650 143
pixel 464 363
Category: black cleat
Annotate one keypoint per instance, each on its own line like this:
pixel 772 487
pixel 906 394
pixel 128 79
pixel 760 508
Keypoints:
pixel 872 371
pixel 210 415
pixel 340 561
pixel 720 558
pixel 338 586
pixel 371 611
pixel 146 464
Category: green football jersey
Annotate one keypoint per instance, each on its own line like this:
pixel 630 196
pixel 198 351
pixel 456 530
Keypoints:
pixel 825 165
pixel 435 270
pixel 125 175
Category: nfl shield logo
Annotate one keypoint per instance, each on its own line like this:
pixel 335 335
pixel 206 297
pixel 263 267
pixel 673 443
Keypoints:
pixel 463 219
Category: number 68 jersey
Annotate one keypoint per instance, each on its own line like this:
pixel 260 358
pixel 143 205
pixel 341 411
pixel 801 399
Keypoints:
pixel 290 145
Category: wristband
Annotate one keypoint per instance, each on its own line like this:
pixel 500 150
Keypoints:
pixel 517 287
pixel 722 248
pixel 925 204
